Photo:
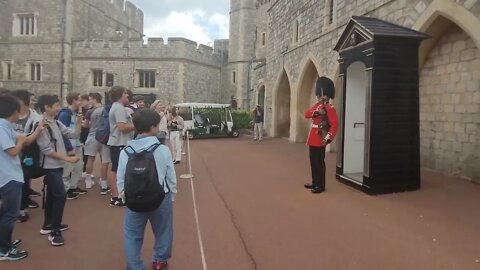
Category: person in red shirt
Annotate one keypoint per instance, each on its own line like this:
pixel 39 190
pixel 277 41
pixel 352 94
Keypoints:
pixel 324 124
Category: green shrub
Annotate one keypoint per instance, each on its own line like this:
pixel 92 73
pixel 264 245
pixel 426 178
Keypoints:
pixel 241 119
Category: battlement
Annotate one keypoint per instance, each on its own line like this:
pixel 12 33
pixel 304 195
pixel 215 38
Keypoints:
pixel 180 48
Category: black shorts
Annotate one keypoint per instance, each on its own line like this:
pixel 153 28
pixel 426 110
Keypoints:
pixel 114 156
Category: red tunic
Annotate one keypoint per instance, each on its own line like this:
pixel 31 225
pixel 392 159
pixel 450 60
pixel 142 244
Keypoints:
pixel 314 138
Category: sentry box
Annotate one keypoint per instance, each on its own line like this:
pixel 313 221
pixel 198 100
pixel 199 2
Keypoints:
pixel 379 137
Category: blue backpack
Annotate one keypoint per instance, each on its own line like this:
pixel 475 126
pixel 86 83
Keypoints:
pixel 65 116
pixel 103 131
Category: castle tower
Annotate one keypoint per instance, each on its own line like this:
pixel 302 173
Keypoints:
pixel 241 49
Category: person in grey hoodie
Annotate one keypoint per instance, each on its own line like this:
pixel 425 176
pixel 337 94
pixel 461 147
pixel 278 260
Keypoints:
pixel 146 123
pixel 25 125
pixel 54 155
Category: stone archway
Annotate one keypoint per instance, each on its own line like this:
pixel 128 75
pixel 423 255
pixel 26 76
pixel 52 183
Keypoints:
pixel 437 18
pixel 450 96
pixel 306 98
pixel 281 123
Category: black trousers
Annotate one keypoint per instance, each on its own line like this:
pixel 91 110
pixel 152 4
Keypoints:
pixel 56 198
pixel 317 165
pixel 85 159
pixel 25 193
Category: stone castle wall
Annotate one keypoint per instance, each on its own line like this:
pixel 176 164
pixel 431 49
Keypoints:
pixel 44 47
pixel 315 44
pixel 450 106
pixel 95 19
pixel 84 18
pixel 184 72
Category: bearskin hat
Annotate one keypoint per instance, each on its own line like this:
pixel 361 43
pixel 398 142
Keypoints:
pixel 325 87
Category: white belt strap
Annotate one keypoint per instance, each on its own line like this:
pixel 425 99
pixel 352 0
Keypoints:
pixel 314 126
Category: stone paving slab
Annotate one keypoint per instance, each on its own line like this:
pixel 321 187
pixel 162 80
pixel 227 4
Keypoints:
pixel 255 214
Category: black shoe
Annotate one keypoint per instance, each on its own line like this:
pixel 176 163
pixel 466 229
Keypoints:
pixel 56 238
pixel 117 202
pixel 32 204
pixel 23 217
pixel 71 194
pixel 308 186
pixel 317 190
pixel 79 191
pixel 33 193
pixel 176 162
pixel 48 228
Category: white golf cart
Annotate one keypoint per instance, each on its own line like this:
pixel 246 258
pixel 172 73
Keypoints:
pixel 207 120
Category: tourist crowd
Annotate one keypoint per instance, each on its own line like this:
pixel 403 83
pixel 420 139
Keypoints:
pixel 41 140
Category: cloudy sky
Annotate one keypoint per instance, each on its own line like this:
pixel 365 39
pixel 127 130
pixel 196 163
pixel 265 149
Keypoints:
pixel 202 21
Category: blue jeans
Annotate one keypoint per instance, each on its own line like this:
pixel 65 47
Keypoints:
pixel 161 221
pixel 56 198
pixel 11 196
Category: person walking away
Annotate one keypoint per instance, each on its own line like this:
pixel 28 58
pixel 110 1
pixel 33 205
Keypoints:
pixel 175 126
pixel 258 126
pixel 11 179
pixel 71 117
pixel 54 155
pixel 140 207
pixel 92 146
pixel 324 124
pixel 121 131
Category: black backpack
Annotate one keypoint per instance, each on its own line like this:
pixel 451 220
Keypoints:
pixel 32 164
pixel 143 192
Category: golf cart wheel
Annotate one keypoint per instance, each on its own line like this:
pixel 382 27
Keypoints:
pixel 235 133
pixel 191 136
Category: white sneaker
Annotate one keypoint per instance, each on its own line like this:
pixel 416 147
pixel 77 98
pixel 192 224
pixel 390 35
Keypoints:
pixel 89 184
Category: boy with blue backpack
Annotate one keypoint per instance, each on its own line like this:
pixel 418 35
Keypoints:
pixel 95 117
pixel 146 178
pixel 72 173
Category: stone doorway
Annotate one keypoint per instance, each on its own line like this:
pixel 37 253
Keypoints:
pixel 306 98
pixel 282 107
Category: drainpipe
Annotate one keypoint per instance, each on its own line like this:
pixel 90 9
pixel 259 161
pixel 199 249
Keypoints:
pixel 62 53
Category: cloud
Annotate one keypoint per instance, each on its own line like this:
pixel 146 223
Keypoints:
pixel 202 21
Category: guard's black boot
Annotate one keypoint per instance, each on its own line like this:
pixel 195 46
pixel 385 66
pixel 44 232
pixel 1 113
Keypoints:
pixel 308 186
pixel 317 190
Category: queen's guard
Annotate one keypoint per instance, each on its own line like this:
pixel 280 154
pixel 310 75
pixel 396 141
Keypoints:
pixel 324 124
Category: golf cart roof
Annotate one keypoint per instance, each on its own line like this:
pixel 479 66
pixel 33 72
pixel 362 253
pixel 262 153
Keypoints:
pixel 203 105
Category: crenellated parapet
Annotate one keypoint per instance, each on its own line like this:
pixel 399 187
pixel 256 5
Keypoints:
pixel 153 49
